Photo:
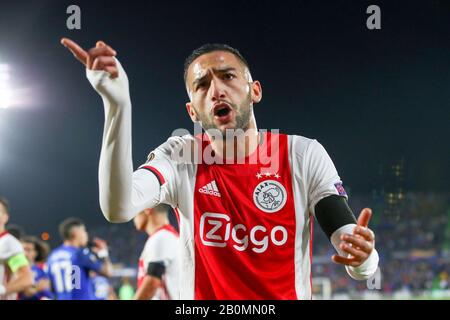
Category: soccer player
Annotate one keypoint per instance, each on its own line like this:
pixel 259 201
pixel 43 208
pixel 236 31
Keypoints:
pixel 246 199
pixel 103 290
pixel 70 263
pixel 15 272
pixel 36 252
pixel 158 264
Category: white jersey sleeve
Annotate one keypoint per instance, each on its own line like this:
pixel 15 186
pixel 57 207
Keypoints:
pixel 322 181
pixel 9 247
pixel 122 193
pixel 321 176
pixel 163 164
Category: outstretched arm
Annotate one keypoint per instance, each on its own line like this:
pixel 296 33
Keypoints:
pixel 123 194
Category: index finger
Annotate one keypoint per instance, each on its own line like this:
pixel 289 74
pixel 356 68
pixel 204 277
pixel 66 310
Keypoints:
pixel 364 217
pixel 77 51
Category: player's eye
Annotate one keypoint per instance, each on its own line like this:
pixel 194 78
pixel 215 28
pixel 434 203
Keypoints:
pixel 228 76
pixel 201 85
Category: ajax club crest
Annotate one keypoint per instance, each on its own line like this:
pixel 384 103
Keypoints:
pixel 270 196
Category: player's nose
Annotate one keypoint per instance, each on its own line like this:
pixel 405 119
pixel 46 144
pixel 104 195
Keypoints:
pixel 217 90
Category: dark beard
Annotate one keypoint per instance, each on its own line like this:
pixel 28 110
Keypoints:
pixel 243 114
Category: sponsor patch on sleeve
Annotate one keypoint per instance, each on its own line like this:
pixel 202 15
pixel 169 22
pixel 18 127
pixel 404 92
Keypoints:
pixel 340 189
pixel 150 156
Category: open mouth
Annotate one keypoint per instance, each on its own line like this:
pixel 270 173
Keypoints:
pixel 221 110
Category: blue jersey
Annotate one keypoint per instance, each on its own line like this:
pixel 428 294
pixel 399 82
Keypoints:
pixel 101 287
pixel 38 274
pixel 69 268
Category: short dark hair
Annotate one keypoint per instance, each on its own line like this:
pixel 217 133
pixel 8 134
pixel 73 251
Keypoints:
pixel 65 228
pixel 210 47
pixel 41 247
pixel 5 203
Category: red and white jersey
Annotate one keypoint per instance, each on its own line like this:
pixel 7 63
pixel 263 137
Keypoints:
pixel 9 247
pixel 246 229
pixel 162 246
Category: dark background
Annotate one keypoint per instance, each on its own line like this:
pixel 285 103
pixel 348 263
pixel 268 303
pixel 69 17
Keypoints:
pixel 371 97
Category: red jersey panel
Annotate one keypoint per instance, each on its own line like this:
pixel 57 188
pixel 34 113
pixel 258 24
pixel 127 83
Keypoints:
pixel 245 230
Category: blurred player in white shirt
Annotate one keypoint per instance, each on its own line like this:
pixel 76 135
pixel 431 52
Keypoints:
pixel 158 264
pixel 15 271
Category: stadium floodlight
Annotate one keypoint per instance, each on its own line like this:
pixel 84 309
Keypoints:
pixel 5 90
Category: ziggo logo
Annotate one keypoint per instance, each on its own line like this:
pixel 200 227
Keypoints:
pixel 219 234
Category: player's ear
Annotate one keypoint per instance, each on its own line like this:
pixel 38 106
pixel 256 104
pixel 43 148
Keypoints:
pixel 140 221
pixel 256 89
pixel 5 218
pixel 191 112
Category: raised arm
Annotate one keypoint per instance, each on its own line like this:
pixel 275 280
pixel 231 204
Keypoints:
pixel 123 194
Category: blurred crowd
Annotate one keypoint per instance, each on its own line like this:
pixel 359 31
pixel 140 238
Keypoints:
pixel 413 244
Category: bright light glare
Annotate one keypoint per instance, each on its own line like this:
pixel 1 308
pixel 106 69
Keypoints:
pixel 5 90
pixel 5 97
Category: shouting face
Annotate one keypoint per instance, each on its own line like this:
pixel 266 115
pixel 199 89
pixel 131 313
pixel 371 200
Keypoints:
pixel 221 92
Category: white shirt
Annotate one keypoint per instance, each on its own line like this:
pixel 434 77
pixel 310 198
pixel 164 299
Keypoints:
pixel 9 247
pixel 162 247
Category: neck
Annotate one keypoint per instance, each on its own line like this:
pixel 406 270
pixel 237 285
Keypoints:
pixel 155 224
pixel 237 146
pixel 71 243
pixel 2 228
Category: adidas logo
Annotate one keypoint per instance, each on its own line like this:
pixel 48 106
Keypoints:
pixel 211 189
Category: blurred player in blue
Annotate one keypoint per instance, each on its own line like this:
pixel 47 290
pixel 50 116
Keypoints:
pixel 69 264
pixel 36 252
pixel 103 290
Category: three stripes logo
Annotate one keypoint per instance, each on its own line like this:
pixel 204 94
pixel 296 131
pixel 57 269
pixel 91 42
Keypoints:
pixel 210 189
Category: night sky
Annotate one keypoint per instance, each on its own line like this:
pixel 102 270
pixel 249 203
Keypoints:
pixel 370 97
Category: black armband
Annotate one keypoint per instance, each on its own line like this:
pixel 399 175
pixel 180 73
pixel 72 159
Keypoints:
pixel 332 213
pixel 156 269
